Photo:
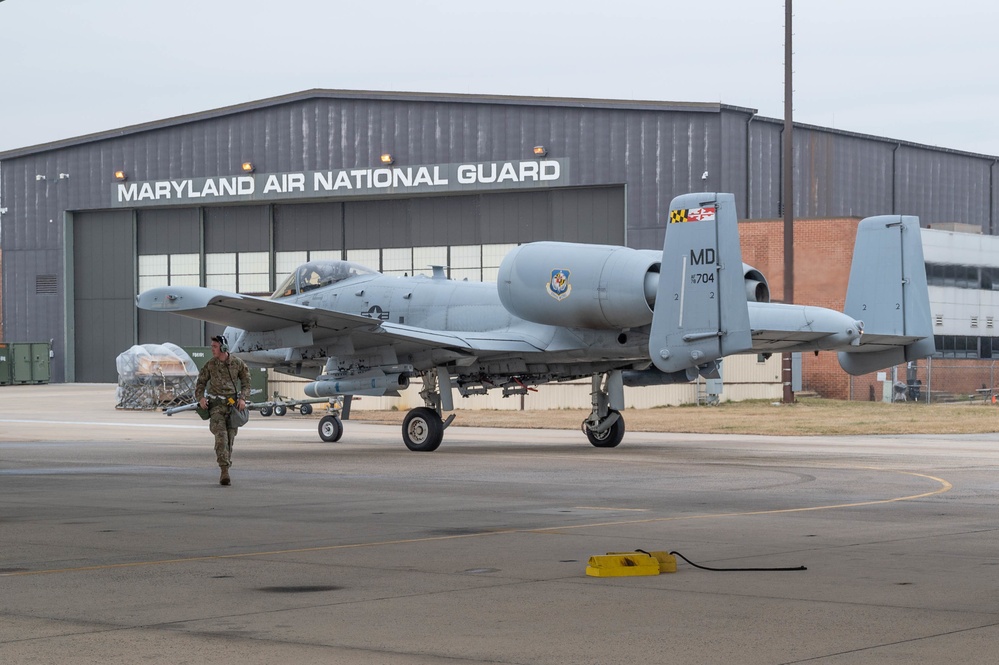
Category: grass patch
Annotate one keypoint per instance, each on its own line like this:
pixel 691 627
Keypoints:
pixel 808 416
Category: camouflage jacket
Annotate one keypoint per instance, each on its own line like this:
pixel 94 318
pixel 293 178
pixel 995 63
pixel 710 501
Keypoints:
pixel 222 377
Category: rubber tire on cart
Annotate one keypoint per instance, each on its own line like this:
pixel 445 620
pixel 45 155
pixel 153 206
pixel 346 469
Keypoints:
pixel 265 411
pixel 305 409
pixel 330 429
pixel 280 410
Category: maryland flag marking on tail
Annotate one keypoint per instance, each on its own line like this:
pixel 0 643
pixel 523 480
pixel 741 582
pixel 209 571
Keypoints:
pixel 692 215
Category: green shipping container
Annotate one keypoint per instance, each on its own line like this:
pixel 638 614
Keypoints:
pixel 5 362
pixel 199 354
pixel 258 377
pixel 29 362
pixel 258 384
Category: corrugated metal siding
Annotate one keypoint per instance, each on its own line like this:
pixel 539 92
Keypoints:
pixel 171 231
pixel 764 173
pixel 733 157
pixel 308 226
pixel 942 187
pixel 237 229
pixel 840 176
pixel 592 215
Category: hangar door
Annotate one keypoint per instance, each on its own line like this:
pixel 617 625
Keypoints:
pixel 453 228
pixel 103 293
pixel 246 249
pixel 593 214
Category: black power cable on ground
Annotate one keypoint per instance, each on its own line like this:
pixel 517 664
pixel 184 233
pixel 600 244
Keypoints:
pixel 731 570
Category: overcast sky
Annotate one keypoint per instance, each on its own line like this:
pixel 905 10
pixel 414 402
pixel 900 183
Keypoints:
pixel 916 71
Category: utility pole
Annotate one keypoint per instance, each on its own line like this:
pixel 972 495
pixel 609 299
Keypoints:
pixel 788 196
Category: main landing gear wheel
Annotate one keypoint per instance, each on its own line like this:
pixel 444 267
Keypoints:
pixel 422 430
pixel 305 409
pixel 611 436
pixel 330 429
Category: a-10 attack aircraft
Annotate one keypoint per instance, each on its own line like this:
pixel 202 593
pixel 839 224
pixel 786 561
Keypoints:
pixel 562 311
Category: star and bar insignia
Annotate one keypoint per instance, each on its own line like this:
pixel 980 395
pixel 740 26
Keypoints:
pixel 692 215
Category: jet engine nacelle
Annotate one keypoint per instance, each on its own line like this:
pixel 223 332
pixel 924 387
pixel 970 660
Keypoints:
pixel 757 289
pixel 580 286
pixel 590 286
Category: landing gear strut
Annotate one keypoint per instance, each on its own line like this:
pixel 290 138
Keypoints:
pixel 423 428
pixel 331 426
pixel 605 426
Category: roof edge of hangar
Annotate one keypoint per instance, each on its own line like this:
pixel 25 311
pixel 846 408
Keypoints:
pixel 317 93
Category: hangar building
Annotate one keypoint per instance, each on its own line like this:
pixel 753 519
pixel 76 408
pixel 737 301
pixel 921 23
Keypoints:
pixel 235 198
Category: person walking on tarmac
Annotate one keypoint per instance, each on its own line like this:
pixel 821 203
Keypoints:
pixel 223 378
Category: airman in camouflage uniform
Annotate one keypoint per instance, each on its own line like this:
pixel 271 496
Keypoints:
pixel 223 377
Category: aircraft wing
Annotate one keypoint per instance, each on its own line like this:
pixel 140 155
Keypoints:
pixel 261 315
pixel 250 313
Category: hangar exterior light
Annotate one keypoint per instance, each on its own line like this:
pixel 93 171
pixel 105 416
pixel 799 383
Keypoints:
pixel 120 175
pixel 248 167
pixel 387 159
pixel 540 151
pixel 39 177
pixel 63 176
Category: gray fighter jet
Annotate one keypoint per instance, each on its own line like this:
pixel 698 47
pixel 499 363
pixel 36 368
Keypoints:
pixel 563 311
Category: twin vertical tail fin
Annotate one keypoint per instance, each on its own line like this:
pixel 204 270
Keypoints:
pixel 888 293
pixel 701 313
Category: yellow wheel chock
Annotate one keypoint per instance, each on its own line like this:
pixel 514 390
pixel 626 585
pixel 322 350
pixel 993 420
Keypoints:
pixel 630 564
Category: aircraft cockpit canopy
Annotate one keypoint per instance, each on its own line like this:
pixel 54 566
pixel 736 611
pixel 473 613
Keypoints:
pixel 315 274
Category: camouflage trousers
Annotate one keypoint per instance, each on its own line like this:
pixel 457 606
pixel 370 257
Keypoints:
pixel 218 424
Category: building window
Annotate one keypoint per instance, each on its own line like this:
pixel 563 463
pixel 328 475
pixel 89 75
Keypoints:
pixel 962 277
pixel 253 272
pixel 397 261
pixel 220 271
pixel 369 258
pixel 424 258
pixel 286 262
pixel 153 271
pixel 466 262
pixel 185 270
pixel 492 257
pixel 960 346
pixel 169 270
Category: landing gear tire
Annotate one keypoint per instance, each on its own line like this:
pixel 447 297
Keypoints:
pixel 330 429
pixel 422 430
pixel 266 411
pixel 305 409
pixel 280 410
pixel 610 437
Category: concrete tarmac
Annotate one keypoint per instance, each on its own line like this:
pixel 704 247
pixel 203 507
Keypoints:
pixel 118 545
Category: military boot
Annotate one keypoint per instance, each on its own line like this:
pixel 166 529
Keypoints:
pixel 224 478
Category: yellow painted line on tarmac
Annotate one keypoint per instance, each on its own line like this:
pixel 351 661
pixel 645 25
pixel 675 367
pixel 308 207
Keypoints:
pixel 945 486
